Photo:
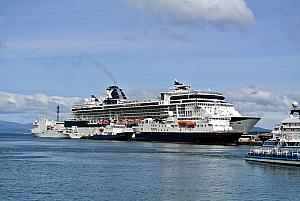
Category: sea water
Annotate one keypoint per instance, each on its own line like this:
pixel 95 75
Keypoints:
pixel 66 169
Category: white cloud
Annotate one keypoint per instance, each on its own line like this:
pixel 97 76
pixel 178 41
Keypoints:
pixel 254 94
pixel 13 106
pixel 271 107
pixel 195 12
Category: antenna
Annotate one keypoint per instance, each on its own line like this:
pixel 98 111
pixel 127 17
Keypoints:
pixel 57 113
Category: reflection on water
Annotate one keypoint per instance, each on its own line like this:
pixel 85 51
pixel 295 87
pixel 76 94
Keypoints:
pixel 45 169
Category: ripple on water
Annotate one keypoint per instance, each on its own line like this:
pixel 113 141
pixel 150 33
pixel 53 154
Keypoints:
pixel 46 169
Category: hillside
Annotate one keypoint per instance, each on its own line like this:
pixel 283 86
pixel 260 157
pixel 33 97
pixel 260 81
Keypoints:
pixel 256 130
pixel 12 127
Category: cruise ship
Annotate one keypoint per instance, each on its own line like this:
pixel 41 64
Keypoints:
pixel 184 102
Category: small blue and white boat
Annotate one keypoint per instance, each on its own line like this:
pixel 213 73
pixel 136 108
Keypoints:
pixel 284 147
pixel 285 156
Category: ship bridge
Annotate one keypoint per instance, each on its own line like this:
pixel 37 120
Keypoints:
pixel 184 92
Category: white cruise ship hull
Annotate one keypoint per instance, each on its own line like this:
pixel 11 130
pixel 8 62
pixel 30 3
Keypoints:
pixel 243 124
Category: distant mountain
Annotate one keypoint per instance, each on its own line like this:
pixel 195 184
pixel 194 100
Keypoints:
pixel 256 130
pixel 12 127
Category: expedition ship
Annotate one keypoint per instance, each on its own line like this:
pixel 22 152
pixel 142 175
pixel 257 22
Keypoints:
pixel 205 131
pixel 184 102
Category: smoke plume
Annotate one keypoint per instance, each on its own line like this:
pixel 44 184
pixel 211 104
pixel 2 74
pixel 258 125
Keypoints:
pixel 87 58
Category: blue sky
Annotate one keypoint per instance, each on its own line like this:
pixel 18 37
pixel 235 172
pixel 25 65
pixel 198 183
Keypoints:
pixel 61 48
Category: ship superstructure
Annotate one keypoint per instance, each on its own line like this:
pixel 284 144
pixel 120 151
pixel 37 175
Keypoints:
pixel 185 103
pixel 288 132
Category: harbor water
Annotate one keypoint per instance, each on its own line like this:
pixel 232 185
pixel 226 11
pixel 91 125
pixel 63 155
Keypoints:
pixel 64 169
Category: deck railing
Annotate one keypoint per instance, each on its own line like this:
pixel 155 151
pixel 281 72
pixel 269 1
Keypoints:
pixel 275 153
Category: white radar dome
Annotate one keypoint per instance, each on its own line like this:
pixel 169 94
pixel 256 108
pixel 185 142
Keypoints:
pixel 295 104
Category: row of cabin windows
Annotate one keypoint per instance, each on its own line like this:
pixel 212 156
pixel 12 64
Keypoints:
pixel 148 109
pixel 296 144
pixel 291 124
pixel 112 115
pixel 160 126
pixel 291 129
pixel 200 96
pixel 209 106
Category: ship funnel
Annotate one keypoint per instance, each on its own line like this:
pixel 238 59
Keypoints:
pixel 114 93
pixel 57 113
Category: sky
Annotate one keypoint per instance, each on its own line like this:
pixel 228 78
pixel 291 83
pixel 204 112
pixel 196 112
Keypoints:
pixel 63 51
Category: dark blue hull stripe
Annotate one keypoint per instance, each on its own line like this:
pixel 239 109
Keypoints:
pixel 200 138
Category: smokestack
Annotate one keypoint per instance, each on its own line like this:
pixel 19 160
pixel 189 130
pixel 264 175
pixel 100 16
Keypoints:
pixel 57 113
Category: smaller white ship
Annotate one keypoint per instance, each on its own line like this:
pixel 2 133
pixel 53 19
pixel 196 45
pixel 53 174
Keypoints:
pixel 43 127
pixel 205 131
pixel 48 129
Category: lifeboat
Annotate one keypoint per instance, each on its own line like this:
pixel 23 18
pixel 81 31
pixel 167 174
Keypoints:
pixel 50 127
pixel 137 120
pixel 121 121
pixel 130 121
pixel 182 123
pixel 103 122
pixel 101 130
pixel 190 124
